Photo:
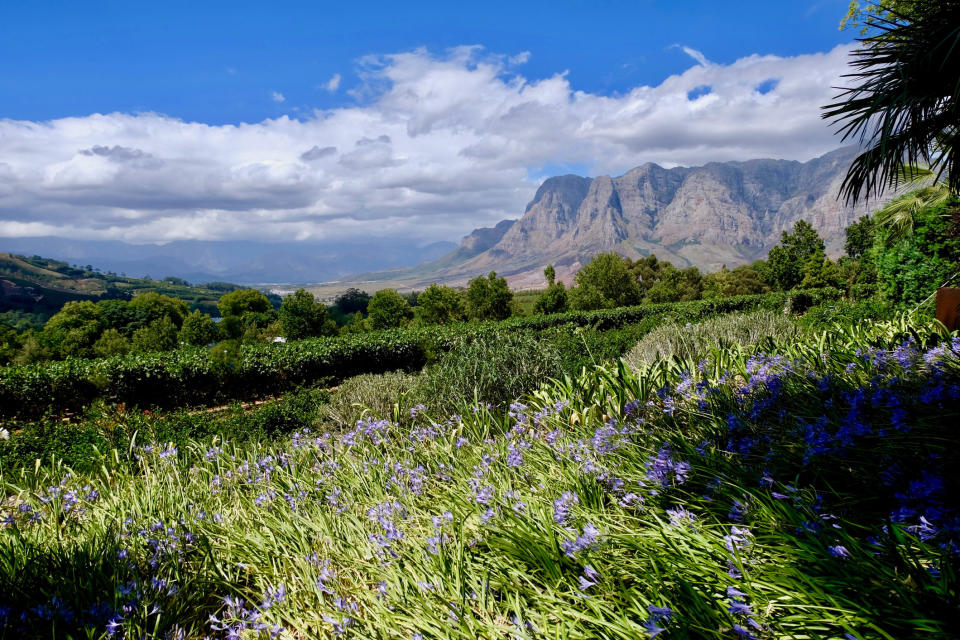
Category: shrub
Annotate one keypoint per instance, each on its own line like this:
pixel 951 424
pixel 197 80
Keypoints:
pixel 367 394
pixel 695 341
pixel 497 367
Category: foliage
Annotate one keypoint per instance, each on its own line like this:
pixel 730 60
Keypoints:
pixel 786 261
pixel 909 271
pixel 388 309
pixel 155 306
pixel 159 335
pixel 199 330
pixel 352 301
pixel 440 305
pixel 741 281
pixel 365 396
pixel 493 367
pixel 243 301
pixel 605 282
pixel 859 237
pixel 301 316
pixel 804 491
pixel 74 329
pixel 903 109
pixel 114 426
pixel 488 298
pixel 554 298
pixel 111 343
pixel 10 343
pixel 190 376
pixel 695 342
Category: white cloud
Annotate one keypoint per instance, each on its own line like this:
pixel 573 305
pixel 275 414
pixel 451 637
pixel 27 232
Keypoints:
pixel 276 96
pixel 696 55
pixel 438 146
pixel 333 83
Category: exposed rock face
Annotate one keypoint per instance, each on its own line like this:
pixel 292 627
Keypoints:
pixel 721 213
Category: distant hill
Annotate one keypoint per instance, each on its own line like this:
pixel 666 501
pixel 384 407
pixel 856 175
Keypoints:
pixel 37 285
pixel 244 262
pixel 722 213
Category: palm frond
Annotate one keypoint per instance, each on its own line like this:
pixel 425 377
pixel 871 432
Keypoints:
pixel 904 109
pixel 898 215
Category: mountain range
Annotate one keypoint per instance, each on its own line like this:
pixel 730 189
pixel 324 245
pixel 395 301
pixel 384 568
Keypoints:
pixel 721 213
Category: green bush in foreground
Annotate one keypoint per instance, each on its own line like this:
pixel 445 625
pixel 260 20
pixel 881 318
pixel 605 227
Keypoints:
pixel 495 367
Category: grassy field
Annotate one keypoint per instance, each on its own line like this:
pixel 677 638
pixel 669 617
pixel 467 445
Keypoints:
pixel 799 489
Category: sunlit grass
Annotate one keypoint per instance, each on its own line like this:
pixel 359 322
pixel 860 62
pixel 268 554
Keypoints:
pixel 700 501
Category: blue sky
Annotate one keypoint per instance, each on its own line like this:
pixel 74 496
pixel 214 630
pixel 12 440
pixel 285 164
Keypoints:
pixel 316 122
pixel 220 62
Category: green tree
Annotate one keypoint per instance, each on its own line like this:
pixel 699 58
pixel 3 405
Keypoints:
pixel 199 329
pixel 676 285
pixel 388 309
pixel 903 108
pixel 440 305
pixel 74 329
pixel 111 343
pixel 351 301
pixel 9 343
pixel 744 280
pixel 554 299
pixel 551 275
pixel 301 316
pixel 821 272
pixel 605 282
pixel 860 236
pixel 786 261
pixel 243 301
pixel 489 298
pixel 156 306
pixel 159 335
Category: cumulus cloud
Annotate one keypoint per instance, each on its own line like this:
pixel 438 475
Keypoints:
pixel 276 96
pixel 437 145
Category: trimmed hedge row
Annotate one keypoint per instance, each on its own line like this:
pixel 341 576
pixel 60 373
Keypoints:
pixel 189 376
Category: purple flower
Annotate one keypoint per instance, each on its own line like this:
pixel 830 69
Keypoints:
pixel 581 542
pixel 839 551
pixel 562 505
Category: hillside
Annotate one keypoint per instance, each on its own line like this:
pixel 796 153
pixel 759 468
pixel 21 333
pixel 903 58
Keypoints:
pixel 37 285
pixel 721 213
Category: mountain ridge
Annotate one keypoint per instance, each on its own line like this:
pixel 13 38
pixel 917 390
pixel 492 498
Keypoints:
pixel 720 213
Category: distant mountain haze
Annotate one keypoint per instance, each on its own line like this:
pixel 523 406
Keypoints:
pixel 722 213
pixel 241 262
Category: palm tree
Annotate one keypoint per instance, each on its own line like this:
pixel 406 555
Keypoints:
pixel 905 111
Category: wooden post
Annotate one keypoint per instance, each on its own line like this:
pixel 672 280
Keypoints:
pixel 948 307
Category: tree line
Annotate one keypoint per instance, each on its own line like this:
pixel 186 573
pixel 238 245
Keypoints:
pixel 879 262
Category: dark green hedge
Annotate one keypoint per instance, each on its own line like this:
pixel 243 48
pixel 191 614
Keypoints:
pixel 189 376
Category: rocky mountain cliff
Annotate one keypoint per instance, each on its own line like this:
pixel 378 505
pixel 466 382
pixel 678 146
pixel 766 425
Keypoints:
pixel 723 213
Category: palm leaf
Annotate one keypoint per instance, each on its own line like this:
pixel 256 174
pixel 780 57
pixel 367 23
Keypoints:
pixel 904 109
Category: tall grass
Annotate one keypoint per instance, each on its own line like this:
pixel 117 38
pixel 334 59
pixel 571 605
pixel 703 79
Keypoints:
pixel 696 341
pixel 805 492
